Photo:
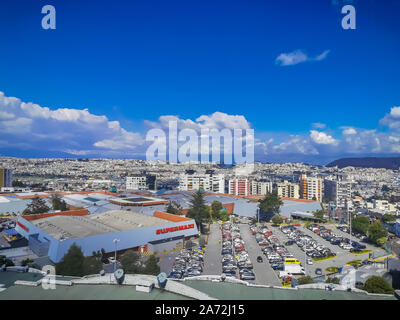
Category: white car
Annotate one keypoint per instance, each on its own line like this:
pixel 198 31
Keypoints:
pixel 309 261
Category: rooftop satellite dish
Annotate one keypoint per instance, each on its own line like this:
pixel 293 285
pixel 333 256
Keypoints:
pixel 119 276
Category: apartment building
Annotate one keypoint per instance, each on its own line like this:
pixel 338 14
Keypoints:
pixel 259 187
pixel 239 187
pixel 338 191
pixel 141 182
pixel 207 182
pixel 5 177
pixel 311 188
pixel 287 189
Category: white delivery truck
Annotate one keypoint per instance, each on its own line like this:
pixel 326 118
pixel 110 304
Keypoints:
pixel 294 268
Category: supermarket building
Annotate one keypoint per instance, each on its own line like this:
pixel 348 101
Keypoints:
pixel 52 234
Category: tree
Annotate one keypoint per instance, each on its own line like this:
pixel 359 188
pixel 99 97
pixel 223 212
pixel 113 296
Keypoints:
pixel 377 284
pixel 305 280
pixel 129 262
pixel 198 211
pixel 270 205
pixel 72 262
pixel 18 183
pixel 58 203
pixel 224 216
pixel 92 265
pixel 7 262
pixel 26 262
pixel 388 218
pixel 174 207
pixel 360 224
pixel 151 266
pixel 319 215
pixel 376 232
pixel 37 205
pixel 277 220
pixel 216 207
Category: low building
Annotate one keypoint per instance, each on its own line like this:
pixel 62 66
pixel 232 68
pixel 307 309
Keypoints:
pixel 53 234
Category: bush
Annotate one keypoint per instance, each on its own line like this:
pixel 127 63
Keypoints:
pixel 7 262
pixel 305 280
pixel 333 280
pixel 26 262
pixel 276 220
pixel 151 266
pixel 377 284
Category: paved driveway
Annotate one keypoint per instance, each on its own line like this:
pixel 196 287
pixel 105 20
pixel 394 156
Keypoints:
pixel 264 273
pixel 212 256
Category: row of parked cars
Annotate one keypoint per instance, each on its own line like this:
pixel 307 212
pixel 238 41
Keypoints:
pixel 306 243
pixel 360 236
pixel 342 242
pixel 275 252
pixel 188 263
pixel 235 259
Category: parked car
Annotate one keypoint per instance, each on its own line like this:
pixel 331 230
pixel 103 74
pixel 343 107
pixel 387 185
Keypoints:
pixel 318 271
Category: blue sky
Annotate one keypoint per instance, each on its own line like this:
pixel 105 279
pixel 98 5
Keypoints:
pixel 131 62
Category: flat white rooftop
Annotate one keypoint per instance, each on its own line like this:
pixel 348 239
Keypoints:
pixel 71 227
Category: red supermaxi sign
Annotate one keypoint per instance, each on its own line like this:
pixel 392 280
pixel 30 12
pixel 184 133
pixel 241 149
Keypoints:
pixel 173 229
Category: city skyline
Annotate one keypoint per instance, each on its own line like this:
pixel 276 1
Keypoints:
pixel 311 91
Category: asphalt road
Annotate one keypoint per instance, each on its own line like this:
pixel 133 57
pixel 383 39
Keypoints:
pixel 264 273
pixel 212 256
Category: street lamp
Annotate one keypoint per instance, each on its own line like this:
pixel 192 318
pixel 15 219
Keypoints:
pixel 115 255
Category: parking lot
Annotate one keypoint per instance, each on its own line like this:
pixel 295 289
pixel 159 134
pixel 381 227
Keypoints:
pixel 264 273
pixel 234 250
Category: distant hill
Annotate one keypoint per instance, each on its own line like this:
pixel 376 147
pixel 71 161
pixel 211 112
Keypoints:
pixel 370 162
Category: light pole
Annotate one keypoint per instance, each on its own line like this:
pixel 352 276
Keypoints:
pixel 115 255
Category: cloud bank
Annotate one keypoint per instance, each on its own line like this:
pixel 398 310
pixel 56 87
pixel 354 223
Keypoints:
pixel 78 132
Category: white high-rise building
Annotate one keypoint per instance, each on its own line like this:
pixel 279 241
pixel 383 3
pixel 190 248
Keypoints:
pixel 258 187
pixel 311 188
pixel 338 191
pixel 207 182
pixel 287 189
pixel 136 182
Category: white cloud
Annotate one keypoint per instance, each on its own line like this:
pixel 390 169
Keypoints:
pixel 217 120
pixel 392 120
pixel 61 129
pixel 322 138
pixel 298 56
pixel 349 131
pixel 319 125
